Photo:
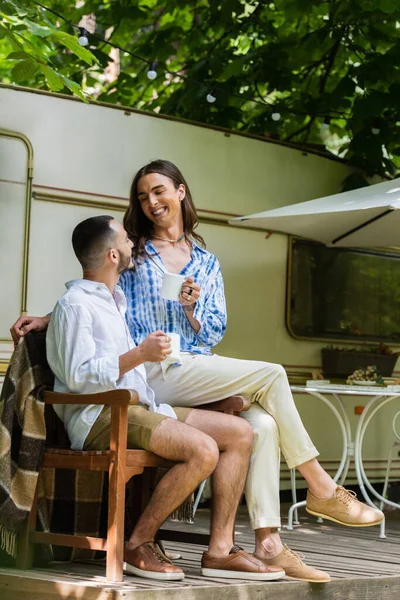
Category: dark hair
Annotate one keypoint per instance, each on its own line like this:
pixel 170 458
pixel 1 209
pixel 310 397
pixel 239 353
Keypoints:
pixel 91 238
pixel 139 227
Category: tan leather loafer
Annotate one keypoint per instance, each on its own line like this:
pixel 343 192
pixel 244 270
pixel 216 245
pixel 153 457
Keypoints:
pixel 295 568
pixel 239 565
pixel 344 508
pixel 147 560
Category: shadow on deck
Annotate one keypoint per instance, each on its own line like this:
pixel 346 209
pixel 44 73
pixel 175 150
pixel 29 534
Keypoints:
pixel 362 567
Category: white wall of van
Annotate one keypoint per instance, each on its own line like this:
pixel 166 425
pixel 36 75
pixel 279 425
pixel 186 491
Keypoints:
pixel 84 159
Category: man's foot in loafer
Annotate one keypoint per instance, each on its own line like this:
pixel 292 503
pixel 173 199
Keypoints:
pixel 147 560
pixel 344 508
pixel 295 568
pixel 239 565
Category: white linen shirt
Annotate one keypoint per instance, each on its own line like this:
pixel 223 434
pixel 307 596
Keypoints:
pixel 86 335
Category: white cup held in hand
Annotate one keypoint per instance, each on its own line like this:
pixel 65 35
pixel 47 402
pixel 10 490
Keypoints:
pixel 171 286
pixel 175 356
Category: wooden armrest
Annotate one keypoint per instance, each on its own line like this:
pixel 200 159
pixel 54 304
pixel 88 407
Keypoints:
pixel 112 397
pixel 231 404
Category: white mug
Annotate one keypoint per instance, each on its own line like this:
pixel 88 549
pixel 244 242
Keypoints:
pixel 171 286
pixel 175 356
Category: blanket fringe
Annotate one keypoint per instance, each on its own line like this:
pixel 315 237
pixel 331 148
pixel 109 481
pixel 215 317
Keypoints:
pixel 8 541
pixel 185 512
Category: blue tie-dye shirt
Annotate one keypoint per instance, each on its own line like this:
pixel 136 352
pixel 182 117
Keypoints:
pixel 147 311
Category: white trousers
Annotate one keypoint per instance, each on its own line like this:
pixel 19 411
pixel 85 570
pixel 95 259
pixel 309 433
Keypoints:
pixel 273 415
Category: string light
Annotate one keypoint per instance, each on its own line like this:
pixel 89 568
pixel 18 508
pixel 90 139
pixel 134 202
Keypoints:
pixel 211 98
pixel 152 73
pixel 325 125
pixel 276 115
pixel 83 39
pixel 375 129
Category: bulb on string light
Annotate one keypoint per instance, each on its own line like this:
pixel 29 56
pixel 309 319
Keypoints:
pixel 375 127
pixel 152 73
pixel 325 125
pixel 210 97
pixel 83 39
pixel 276 115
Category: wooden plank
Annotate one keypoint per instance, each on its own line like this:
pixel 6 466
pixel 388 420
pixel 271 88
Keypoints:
pixel 28 588
pixel 74 541
pixel 143 458
pixel 62 461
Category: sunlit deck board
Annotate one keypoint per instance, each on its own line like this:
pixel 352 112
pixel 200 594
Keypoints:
pixel 362 566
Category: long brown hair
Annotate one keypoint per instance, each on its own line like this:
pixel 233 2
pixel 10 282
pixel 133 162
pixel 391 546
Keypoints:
pixel 139 227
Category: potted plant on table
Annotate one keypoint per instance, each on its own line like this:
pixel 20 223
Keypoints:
pixel 340 362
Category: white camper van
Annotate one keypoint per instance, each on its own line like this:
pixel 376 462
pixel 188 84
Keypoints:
pixel 62 161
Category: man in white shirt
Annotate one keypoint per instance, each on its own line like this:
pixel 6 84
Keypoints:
pixel 89 349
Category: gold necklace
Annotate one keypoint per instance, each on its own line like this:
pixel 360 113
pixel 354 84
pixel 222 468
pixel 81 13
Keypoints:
pixel 167 240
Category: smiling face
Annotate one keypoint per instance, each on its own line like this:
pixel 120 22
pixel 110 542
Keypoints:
pixel 160 200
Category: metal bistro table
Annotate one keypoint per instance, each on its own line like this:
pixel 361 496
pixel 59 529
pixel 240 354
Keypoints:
pixel 352 447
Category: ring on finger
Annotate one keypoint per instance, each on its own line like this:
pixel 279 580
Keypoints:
pixel 190 291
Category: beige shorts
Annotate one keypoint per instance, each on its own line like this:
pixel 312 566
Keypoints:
pixel 141 424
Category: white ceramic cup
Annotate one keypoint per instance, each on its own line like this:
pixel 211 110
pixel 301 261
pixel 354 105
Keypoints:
pixel 171 286
pixel 175 356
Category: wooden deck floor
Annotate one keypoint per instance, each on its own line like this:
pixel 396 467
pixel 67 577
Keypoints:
pixel 362 567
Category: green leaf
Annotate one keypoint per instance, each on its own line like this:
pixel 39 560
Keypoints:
pixel 15 44
pixel 24 70
pixel 11 7
pixel 74 87
pixel 389 6
pixel 18 55
pixel 72 44
pixel 54 80
pixel 6 9
pixel 38 30
pixel 235 67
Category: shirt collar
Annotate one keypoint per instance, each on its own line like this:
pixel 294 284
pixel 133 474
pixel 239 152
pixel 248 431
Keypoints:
pixel 100 288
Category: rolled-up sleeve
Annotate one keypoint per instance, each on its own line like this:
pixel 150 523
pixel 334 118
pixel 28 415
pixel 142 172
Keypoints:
pixel 73 354
pixel 210 310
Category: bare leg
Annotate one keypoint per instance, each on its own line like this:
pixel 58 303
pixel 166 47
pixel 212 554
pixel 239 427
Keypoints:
pixel 197 454
pixel 320 483
pixel 234 438
pixel 268 542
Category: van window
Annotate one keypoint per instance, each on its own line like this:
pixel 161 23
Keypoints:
pixel 344 294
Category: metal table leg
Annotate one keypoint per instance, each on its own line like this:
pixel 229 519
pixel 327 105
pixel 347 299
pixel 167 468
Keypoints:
pixel 345 427
pixel 350 444
pixel 369 411
pixel 389 464
pixel 294 495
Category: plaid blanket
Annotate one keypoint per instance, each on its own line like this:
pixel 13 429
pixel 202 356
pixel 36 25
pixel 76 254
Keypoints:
pixel 22 437
pixel 72 502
